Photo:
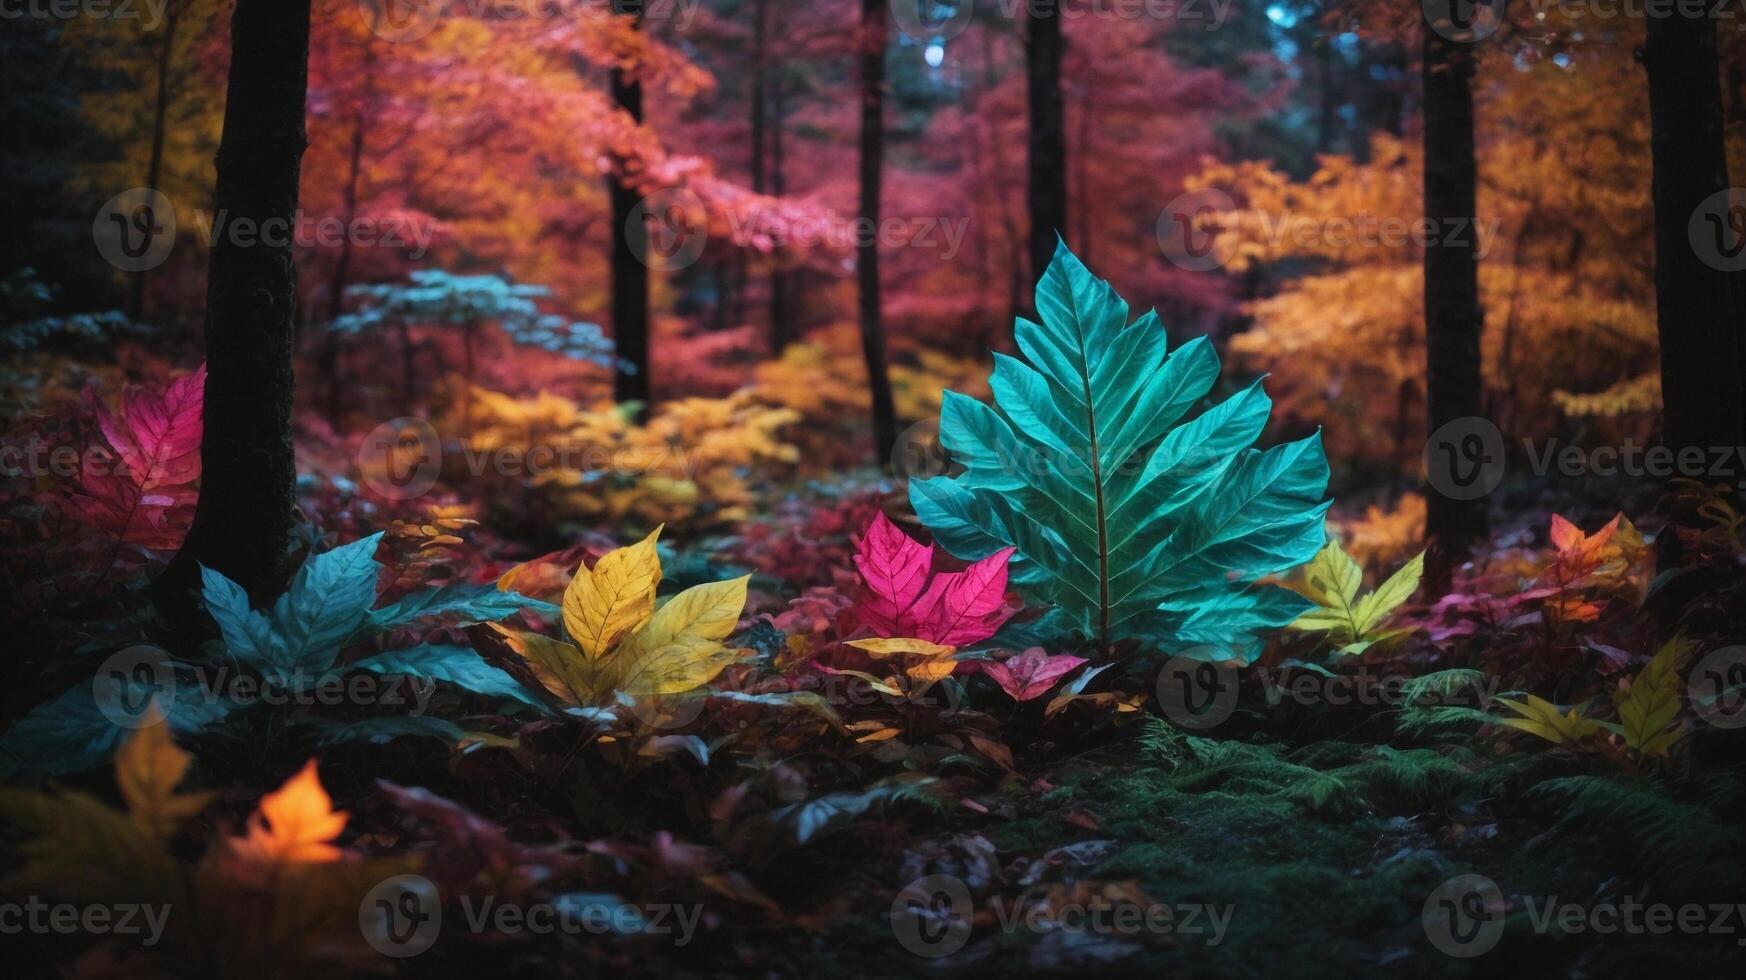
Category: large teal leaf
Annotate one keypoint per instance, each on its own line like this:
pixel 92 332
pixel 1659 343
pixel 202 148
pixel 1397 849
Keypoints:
pixel 456 665
pixel 329 598
pixel 72 733
pixel 1134 519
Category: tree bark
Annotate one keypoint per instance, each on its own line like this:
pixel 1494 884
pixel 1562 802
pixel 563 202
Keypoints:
pixel 1454 319
pixel 1699 307
pixel 1046 173
pixel 155 163
pixel 873 42
pixel 780 334
pixel 243 521
pixel 630 268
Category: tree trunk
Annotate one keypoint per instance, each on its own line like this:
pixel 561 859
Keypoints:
pixel 155 164
pixel 630 269
pixel 1454 385
pixel 1046 175
pixel 780 334
pixel 243 521
pixel 1698 303
pixel 873 42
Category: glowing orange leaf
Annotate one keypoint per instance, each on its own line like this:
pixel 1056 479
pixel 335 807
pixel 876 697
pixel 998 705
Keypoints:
pixel 295 823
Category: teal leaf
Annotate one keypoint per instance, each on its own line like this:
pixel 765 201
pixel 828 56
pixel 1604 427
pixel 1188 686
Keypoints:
pixel 1133 519
pixel 248 635
pixel 465 604
pixel 330 597
pixel 72 734
pixel 456 665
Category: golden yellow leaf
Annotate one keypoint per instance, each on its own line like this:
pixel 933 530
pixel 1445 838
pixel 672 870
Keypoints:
pixel 882 647
pixel 616 597
pixel 148 768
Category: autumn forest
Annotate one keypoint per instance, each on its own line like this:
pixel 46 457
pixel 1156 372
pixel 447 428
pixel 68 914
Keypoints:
pixel 873 488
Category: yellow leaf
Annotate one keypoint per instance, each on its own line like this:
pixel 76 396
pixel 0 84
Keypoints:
pixel 1332 581
pixel 295 823
pixel 148 768
pixel 898 646
pixel 707 612
pixel 1542 718
pixel 559 667
pixel 616 597
pixel 1649 706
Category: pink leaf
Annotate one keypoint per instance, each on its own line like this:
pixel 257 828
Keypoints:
pixel 1030 674
pixel 895 568
pixel 968 606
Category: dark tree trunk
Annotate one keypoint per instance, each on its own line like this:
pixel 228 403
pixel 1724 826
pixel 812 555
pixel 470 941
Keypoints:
pixel 873 42
pixel 243 521
pixel 1046 173
pixel 780 334
pixel 155 164
pixel 1698 306
pixel 1454 386
pixel 630 269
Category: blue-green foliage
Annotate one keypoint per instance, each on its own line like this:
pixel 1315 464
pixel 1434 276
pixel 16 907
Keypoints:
pixel 1134 523
pixel 435 297
pixel 295 646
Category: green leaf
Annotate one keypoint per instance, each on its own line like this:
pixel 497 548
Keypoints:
pixel 1134 522
pixel 456 665
pixel 468 604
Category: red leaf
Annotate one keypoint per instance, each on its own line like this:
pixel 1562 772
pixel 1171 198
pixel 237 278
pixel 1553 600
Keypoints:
pixel 967 606
pixel 1030 674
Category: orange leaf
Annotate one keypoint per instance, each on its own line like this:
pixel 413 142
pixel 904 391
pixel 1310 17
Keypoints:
pixel 295 823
